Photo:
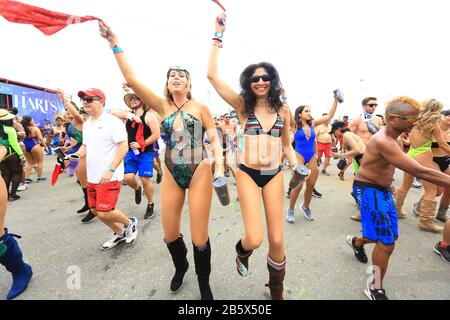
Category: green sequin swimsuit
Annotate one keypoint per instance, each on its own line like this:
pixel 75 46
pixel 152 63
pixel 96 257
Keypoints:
pixel 184 148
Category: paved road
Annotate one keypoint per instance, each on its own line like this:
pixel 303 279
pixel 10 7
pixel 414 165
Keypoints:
pixel 319 263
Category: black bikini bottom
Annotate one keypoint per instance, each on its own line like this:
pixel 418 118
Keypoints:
pixel 260 177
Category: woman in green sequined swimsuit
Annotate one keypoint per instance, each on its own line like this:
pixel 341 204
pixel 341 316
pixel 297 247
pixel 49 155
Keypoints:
pixel 184 123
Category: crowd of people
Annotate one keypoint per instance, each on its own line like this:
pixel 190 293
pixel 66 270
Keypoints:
pixel 105 150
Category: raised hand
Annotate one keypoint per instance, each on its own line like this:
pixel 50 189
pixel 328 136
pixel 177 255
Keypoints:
pixel 107 33
pixel 220 22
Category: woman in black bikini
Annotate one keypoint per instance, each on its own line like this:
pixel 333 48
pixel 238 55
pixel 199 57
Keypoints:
pixel 184 123
pixel 266 124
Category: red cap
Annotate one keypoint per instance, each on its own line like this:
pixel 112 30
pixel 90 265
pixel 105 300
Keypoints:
pixel 92 92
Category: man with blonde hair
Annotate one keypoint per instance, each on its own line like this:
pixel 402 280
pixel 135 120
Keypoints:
pixel 372 186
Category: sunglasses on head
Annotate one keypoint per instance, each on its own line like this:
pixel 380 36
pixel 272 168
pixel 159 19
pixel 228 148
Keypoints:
pixel 264 77
pixel 90 99
pixel 410 119
pixel 372 105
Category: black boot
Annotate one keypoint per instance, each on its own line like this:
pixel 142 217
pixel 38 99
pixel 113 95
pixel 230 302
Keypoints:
pixel 86 206
pixel 11 258
pixel 178 251
pixel 202 258
pixel 88 217
pixel 242 259
pixel 277 272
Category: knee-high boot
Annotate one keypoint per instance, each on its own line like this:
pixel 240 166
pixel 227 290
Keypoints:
pixel 442 214
pixel 202 258
pixel 11 258
pixel 242 257
pixel 178 251
pixel 86 205
pixel 427 214
pixel 277 272
pixel 399 201
pixel 416 207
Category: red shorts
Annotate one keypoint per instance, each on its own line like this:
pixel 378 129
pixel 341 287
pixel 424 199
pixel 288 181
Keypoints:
pixel 103 197
pixel 324 148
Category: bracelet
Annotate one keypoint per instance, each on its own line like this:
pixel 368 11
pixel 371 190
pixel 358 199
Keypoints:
pixel 111 170
pixel 218 35
pixel 217 39
pixel 117 49
pixel 217 44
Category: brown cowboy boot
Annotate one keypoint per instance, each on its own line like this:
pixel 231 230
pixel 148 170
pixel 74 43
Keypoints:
pixel 427 213
pixel 416 207
pixel 399 201
pixel 277 272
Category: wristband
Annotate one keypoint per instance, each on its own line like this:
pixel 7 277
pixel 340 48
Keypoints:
pixel 111 170
pixel 117 50
pixel 218 35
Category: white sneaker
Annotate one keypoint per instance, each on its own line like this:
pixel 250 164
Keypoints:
pixel 114 241
pixel 290 217
pixel 131 231
pixel 416 183
pixel 22 187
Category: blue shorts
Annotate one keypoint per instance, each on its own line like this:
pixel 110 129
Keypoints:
pixel 378 214
pixel 143 162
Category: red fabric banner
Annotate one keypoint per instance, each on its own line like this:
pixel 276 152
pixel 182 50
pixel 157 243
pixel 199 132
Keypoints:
pixel 219 4
pixel 49 22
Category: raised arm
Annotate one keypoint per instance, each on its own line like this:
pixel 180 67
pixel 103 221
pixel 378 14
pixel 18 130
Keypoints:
pixel 69 105
pixel 222 88
pixel 147 95
pixel 329 116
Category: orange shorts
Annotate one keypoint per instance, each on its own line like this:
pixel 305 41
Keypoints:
pixel 103 197
pixel 324 148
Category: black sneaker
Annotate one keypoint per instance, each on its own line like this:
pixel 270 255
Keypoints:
pixel 13 197
pixel 443 252
pixel 316 193
pixel 138 195
pixel 375 294
pixel 158 178
pixel 360 253
pixel 150 213
pixel 88 217
pixel 288 193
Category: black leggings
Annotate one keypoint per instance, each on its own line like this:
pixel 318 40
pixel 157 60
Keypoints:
pixel 11 172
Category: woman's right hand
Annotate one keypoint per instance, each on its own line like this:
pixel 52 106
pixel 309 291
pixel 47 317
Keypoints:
pixel 220 22
pixel 107 33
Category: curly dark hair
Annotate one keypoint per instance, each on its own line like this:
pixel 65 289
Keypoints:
pixel 26 124
pixel 248 95
pixel 298 112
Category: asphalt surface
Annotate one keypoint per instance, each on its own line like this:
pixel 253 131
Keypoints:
pixel 68 263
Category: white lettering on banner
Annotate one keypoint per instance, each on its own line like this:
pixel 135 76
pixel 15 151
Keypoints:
pixel 44 106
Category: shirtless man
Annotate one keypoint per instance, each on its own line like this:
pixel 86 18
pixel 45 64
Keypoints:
pixel 353 147
pixel 365 125
pixel 324 145
pixel 373 186
pixel 229 132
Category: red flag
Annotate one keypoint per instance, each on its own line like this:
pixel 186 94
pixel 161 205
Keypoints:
pixel 219 4
pixel 49 22
pixel 139 135
pixel 56 172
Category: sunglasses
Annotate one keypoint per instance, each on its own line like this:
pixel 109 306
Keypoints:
pixel 265 78
pixel 372 105
pixel 135 99
pixel 90 99
pixel 409 119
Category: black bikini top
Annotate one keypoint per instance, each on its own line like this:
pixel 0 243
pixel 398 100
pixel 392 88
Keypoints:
pixel 253 127
pixel 435 145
